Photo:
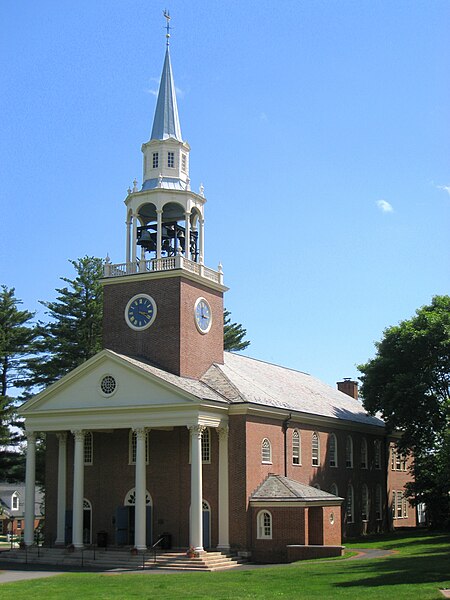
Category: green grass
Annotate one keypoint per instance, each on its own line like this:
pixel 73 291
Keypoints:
pixel 417 570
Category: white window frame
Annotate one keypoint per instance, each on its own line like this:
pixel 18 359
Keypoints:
pixel 15 501
pixel 155 160
pixel 332 450
pixel 132 445
pixel 184 162
pixel 364 502
pixel 377 454
pixel 266 452
pixel 349 452
pixel 170 159
pixel 264 525
pixel 378 502
pixel 364 458
pixel 206 446
pixel 350 504
pixel 296 448
pixel 399 505
pixel 88 448
pixel 315 449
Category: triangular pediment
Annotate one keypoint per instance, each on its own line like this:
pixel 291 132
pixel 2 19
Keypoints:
pixel 125 384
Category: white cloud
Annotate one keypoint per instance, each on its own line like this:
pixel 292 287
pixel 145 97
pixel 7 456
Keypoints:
pixel 384 206
pixel 444 188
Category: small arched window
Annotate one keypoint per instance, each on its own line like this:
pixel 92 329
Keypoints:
pixel 266 451
pixel 264 525
pixel 15 501
pixel 206 445
pixel 350 504
pixel 315 450
pixel 349 452
pixel 296 448
pixel 332 450
pixel 364 457
pixel 334 490
pixel 364 502
pixel 88 448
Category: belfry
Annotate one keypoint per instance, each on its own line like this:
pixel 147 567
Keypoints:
pixel 164 436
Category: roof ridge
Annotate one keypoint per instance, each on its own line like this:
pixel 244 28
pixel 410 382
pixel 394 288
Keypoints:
pixel 266 362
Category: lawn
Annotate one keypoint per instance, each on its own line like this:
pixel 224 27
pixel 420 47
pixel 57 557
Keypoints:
pixel 417 570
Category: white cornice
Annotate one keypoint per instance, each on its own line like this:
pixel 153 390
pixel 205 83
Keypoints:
pixel 165 275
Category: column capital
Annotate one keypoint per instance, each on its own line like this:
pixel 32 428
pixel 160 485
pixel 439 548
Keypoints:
pixel 159 211
pixel 140 432
pixel 31 437
pixel 222 431
pixel 196 430
pixel 62 436
pixel 78 434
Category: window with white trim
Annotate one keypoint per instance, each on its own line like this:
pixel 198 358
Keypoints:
pixel 266 451
pixel 296 448
pixel 399 508
pixel 206 445
pixel 88 448
pixel 264 525
pixel 315 450
pixel 364 502
pixel 377 454
pixel 132 447
pixel 349 452
pixel 332 450
pixel 171 160
pixel 184 162
pixel 15 501
pixel 334 489
pixel 155 160
pixel 364 454
pixel 378 503
pixel 350 504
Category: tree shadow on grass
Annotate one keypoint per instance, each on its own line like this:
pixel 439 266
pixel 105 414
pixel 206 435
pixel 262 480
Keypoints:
pixel 401 571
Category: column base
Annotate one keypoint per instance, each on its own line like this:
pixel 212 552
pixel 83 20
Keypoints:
pixel 141 548
pixel 78 546
pixel 60 542
pixel 224 547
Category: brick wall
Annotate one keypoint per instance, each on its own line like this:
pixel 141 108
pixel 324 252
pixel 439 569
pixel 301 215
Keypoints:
pixel 398 476
pixel 172 341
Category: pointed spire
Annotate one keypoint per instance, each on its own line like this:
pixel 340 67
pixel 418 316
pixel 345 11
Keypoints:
pixel 166 123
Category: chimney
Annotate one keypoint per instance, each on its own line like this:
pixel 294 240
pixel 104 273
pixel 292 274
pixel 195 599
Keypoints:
pixel 348 387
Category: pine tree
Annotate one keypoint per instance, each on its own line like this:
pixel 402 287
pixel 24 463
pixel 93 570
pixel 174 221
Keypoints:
pixel 233 334
pixel 74 332
pixel 17 336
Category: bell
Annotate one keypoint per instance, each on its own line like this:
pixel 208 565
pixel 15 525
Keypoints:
pixel 144 238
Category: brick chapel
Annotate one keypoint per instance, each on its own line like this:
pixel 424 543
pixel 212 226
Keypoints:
pixel 163 432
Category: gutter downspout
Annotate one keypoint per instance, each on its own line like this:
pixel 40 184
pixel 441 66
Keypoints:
pixel 285 426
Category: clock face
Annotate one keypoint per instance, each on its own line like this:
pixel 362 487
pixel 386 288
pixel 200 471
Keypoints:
pixel 202 314
pixel 140 312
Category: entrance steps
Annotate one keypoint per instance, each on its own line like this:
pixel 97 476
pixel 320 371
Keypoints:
pixel 117 559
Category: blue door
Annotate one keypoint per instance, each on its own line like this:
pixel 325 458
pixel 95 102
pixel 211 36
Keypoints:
pixel 68 527
pixel 122 520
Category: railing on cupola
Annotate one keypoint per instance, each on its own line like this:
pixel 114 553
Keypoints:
pixel 168 263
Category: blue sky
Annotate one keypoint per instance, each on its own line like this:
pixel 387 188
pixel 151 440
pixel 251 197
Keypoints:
pixel 319 130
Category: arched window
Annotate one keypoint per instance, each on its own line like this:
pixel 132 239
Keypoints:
pixel 133 445
pixel 364 502
pixel 206 445
pixel 378 503
pixel 88 448
pixel 15 501
pixel 315 450
pixel 332 450
pixel 296 448
pixel 364 458
pixel 349 452
pixel 266 451
pixel 264 525
pixel 377 454
pixel 334 490
pixel 350 504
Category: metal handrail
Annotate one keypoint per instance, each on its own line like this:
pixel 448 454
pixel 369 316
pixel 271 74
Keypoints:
pixel 159 541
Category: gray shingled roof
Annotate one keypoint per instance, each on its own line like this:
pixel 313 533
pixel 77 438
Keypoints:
pixel 243 379
pixel 6 492
pixel 277 488
pixel 191 386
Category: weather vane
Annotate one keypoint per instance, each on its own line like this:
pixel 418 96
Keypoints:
pixel 168 27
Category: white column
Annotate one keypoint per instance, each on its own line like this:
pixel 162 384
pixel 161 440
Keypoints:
pixel 196 526
pixel 30 486
pixel 201 233
pixel 134 239
pixel 78 489
pixel 140 513
pixel 128 225
pixel 224 542
pixel 187 234
pixel 61 498
pixel 158 232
